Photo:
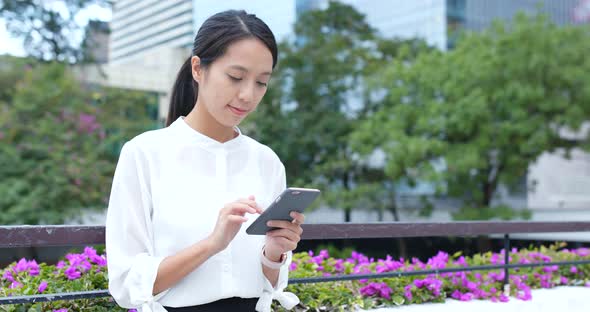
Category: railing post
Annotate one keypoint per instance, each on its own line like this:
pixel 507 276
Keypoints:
pixel 506 262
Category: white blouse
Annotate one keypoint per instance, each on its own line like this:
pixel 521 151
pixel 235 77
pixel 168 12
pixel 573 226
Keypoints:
pixel 168 188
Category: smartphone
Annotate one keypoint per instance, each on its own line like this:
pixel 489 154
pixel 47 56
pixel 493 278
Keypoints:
pixel 291 199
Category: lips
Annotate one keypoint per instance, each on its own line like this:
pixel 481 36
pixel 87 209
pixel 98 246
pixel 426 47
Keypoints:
pixel 238 111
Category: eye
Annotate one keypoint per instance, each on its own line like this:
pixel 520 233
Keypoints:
pixel 262 84
pixel 234 78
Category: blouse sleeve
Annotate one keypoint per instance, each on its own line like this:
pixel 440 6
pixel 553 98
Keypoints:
pixel 132 266
pixel 286 299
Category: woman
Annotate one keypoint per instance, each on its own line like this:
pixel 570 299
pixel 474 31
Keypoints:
pixel 183 196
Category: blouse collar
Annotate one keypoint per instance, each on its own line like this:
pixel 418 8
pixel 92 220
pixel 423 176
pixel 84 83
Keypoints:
pixel 206 141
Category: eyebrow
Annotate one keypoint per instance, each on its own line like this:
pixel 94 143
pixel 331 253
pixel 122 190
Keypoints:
pixel 244 69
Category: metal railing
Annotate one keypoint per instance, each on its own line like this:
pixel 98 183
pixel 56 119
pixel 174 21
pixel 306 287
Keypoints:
pixel 63 235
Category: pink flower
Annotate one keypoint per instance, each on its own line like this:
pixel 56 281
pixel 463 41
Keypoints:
pixel 33 268
pixel 42 286
pixel 71 273
pixel 87 123
pixel 379 289
pixel 60 264
pixel 583 252
pixel 466 297
pixel 563 280
pixel 7 275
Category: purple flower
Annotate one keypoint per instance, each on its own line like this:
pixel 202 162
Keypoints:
pixel 494 258
pixel 87 123
pixel 99 260
pixel 89 252
pixel 379 289
pixel 7 275
pixel 552 268
pixel 21 266
pixel 583 252
pixel 563 280
pixel 573 269
pixel 339 266
pixel 42 286
pixel 439 261
pixel 293 266
pixel 408 292
pixel 61 310
pixel 33 268
pixel 72 273
pixel 461 261
pixel 388 265
pixel 524 295
pixel 466 297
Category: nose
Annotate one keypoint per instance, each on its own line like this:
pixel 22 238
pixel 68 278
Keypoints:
pixel 246 93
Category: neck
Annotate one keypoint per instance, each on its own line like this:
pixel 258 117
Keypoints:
pixel 200 120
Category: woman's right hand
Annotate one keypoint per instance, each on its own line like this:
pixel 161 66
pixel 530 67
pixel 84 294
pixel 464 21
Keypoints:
pixel 230 220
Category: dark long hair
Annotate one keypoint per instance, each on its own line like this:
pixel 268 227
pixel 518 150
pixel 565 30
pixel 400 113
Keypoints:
pixel 211 42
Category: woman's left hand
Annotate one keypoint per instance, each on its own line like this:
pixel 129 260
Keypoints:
pixel 285 237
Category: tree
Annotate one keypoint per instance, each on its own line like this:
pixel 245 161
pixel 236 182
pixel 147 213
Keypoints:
pixel 316 98
pixel 476 117
pixel 59 143
pixel 47 28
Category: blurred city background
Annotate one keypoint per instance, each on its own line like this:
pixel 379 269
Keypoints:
pixel 426 110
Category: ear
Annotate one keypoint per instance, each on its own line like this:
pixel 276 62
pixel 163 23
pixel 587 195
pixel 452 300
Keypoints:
pixel 196 68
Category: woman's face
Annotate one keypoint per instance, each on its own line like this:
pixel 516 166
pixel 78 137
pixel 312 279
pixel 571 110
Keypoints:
pixel 232 86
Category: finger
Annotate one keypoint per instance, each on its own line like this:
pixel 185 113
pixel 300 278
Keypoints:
pixel 284 233
pixel 250 202
pixel 236 219
pixel 293 227
pixel 297 217
pixel 240 208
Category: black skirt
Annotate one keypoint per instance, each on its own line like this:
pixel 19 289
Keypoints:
pixel 233 304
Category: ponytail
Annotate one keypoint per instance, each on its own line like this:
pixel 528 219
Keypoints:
pixel 184 93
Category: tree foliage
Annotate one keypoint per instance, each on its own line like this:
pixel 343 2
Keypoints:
pixel 48 28
pixel 477 116
pixel 59 142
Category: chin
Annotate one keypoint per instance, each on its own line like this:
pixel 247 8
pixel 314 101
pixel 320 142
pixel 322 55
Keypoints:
pixel 232 122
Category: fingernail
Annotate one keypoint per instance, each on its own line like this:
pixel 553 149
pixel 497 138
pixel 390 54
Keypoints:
pixel 269 223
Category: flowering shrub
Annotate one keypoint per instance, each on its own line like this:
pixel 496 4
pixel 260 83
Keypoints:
pixel 464 286
pixel 87 271
pixel 77 272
